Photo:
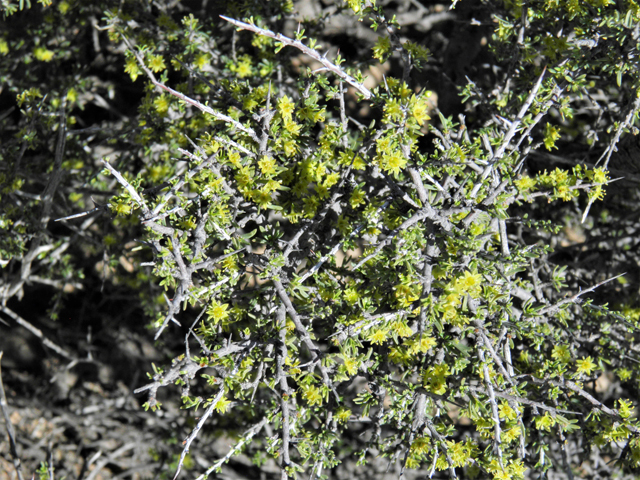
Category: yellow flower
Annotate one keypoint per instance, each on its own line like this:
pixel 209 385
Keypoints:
pixel 162 104
pixel 261 197
pixel 290 148
pixel 420 345
pixel 131 67
pixel 351 295
pixel 267 166
pixel 312 395
pixel 72 95
pixel 322 191
pixel 331 179
pixel 43 54
pixel 421 445
pixel 292 127
pixel 434 378
pixel 401 329
pixel 382 48
pixel 469 283
pixel 545 422
pixel 510 435
pixel 357 198
pixel 600 175
pixel 351 365
pixel 378 336
pixel 505 411
pixel 420 109
pixel 516 469
pixel 561 353
pixel 156 63
pixel 394 163
pixel 343 414
pixel 222 405
pixel 285 107
pixel 201 61
pixel 243 67
pixel 525 183
pixel 64 7
pixel 586 366
pixel 218 311
pixel 399 356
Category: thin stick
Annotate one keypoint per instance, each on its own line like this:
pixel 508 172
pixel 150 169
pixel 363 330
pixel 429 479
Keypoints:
pixel 196 430
pixel 123 181
pixel 47 204
pixel 510 134
pixel 284 390
pixel 492 402
pixel 246 438
pixel 304 334
pixel 105 461
pixel 38 333
pixel 17 463
pixel 189 100
pixel 576 297
pixel 306 50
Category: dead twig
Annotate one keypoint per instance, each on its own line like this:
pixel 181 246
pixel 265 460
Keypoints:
pixel 103 463
pixel 366 93
pixel 17 463
pixel 246 438
pixel 284 389
pixel 47 204
pixel 510 134
pixel 303 333
pixel 575 298
pixel 38 333
pixel 189 100
pixel 194 433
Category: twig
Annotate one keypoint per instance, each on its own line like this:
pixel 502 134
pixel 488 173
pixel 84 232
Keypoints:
pixel 612 146
pixel 524 401
pixel 47 204
pixel 510 134
pixel 575 298
pixel 624 124
pixel 504 241
pixel 419 184
pixel 285 390
pixel 440 440
pixel 563 383
pixel 194 433
pixel 17 463
pixel 306 50
pixel 189 100
pixel 425 212
pixel 182 179
pixel 248 435
pixel 188 368
pixel 82 214
pixel 418 422
pixel 492 352
pixel 123 181
pixel 492 401
pixel 103 463
pixel 38 333
pixel 302 331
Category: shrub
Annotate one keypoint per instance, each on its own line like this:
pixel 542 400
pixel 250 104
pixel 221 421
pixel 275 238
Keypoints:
pixel 361 285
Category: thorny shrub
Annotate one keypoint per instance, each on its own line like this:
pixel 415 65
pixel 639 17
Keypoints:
pixel 388 278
